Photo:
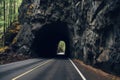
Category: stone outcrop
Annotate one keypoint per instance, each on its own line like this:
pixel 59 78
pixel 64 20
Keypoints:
pixel 11 32
pixel 93 25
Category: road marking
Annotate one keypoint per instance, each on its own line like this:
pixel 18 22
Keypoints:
pixel 77 70
pixel 31 70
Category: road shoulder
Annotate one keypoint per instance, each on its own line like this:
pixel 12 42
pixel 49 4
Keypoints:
pixel 96 74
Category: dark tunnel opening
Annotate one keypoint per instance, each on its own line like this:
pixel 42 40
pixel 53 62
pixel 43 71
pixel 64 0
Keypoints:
pixel 47 39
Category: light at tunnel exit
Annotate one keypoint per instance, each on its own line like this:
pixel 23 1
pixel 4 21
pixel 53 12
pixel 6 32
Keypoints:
pixel 61 53
pixel 61 48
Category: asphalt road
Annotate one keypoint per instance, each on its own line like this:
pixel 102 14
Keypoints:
pixel 47 69
pixel 40 69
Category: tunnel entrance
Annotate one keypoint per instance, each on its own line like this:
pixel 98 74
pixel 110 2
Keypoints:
pixel 48 37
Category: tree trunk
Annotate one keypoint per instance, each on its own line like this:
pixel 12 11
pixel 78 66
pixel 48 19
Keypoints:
pixel 4 23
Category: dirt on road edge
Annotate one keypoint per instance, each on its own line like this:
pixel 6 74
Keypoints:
pixel 95 70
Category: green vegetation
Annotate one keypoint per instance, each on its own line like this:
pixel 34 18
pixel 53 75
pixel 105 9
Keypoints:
pixel 8 14
pixel 61 46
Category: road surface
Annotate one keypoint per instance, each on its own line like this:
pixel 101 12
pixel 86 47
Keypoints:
pixel 41 69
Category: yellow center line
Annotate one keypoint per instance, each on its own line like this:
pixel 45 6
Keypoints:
pixel 31 70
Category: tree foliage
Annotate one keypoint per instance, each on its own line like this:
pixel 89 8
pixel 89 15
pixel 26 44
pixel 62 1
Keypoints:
pixel 61 46
pixel 8 14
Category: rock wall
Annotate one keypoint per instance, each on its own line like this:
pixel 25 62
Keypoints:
pixel 94 28
pixel 100 38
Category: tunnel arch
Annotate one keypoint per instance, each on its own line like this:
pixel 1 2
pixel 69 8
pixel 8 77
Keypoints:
pixel 48 37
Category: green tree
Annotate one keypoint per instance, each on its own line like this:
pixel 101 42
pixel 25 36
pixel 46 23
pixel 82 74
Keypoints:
pixel 8 14
pixel 61 46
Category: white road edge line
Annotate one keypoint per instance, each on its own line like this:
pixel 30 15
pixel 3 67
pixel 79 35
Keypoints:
pixel 77 70
pixel 30 70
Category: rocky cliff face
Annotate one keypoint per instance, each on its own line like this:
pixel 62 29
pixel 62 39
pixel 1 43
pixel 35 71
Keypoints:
pixel 94 28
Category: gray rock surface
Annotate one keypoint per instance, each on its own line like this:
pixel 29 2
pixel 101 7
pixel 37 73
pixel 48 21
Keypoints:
pixel 94 28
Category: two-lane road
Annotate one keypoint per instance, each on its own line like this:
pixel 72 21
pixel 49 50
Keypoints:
pixel 40 69
pixel 47 69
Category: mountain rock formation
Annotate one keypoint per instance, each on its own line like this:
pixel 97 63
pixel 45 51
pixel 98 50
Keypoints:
pixel 92 29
